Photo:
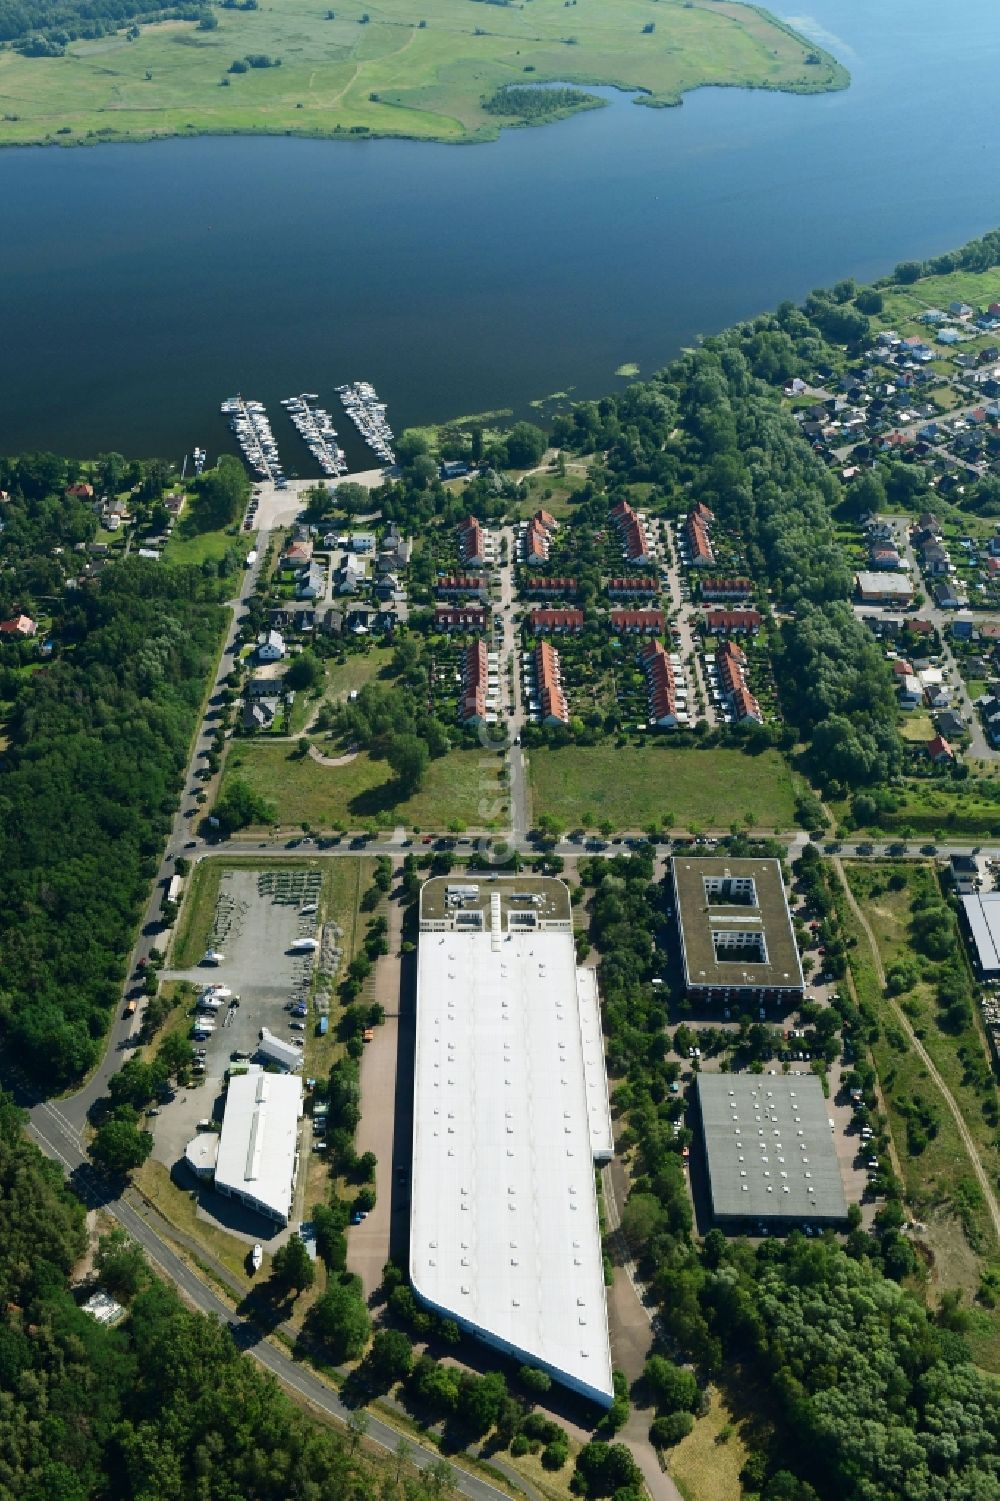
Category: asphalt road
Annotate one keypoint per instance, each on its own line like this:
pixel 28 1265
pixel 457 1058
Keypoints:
pixel 52 1130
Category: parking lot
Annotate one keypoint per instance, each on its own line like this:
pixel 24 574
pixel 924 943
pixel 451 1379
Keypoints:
pixel 259 916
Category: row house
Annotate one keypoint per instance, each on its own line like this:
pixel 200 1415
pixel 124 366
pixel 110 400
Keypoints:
pixel 726 591
pixel 543 620
pixel 472 542
pixel 475 681
pixel 638 622
pixel 537 543
pixel 460 617
pixel 454 585
pixel 552 705
pixel 730 664
pixel 733 622
pixel 699 546
pixel 661 685
pixel 632 535
pixel 551 588
pixel 633 588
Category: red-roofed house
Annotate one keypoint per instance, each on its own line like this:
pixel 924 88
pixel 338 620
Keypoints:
pixel 537 543
pixel 700 553
pixel 79 492
pixel 544 619
pixel 625 588
pixel 730 663
pixel 554 588
pixel 726 591
pixel 544 519
pixel 552 705
pixel 475 680
pixel 456 584
pixel 661 688
pixel 637 622
pixel 733 622
pixel 459 618
pixel 21 627
pixel 472 542
pixel 939 750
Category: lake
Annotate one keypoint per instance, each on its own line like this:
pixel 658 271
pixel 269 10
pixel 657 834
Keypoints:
pixel 143 283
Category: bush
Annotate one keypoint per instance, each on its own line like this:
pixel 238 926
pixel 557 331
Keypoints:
pixel 667 1431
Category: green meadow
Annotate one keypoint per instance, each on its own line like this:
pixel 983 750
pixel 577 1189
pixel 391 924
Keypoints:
pixel 396 70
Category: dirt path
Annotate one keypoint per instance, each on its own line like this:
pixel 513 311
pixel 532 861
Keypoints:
pixel 925 1058
pixel 344 760
pixel 368 1243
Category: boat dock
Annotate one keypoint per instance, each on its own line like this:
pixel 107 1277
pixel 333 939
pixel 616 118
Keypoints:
pixel 361 403
pixel 315 427
pixel 248 420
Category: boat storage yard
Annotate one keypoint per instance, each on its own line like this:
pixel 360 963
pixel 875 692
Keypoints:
pixel 510 1113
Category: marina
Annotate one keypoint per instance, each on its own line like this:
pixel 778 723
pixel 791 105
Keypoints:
pixel 315 427
pixel 361 403
pixel 248 421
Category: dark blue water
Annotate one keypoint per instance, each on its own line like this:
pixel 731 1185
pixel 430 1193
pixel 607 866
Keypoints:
pixel 141 284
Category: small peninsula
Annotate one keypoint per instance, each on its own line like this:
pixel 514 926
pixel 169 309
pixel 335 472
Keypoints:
pixel 433 72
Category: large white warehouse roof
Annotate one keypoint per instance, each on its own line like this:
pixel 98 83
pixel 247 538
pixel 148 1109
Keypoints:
pixel 510 1110
pixel 259 1141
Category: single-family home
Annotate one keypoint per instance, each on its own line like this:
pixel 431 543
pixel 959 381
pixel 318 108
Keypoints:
pixel 18 628
pixel 259 714
pixel 363 542
pixel 950 724
pixel 947 595
pixel 310 583
pixel 351 574
pixel 298 553
pixel 911 692
pixel 270 646
pixel 939 751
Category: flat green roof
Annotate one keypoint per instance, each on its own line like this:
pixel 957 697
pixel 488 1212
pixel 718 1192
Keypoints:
pixel 770 1149
pixel 721 903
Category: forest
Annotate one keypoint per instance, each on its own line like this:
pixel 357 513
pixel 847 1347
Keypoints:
pixel 33 23
pixel 162 1407
pixel 98 730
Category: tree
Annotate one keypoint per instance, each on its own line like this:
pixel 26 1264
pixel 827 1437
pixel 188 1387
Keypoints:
pixel 175 1055
pixel 408 756
pixel 352 498
pixel 305 671
pixel 240 805
pixel 674 1388
pixel 120 1264
pixel 119 1146
pixel 390 1358
pixel 525 445
pixel 221 495
pixel 342 1321
pixel 291 1267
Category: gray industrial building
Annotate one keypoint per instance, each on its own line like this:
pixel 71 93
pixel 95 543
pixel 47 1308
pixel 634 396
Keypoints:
pixel 981 915
pixel 770 1150
pixel 737 940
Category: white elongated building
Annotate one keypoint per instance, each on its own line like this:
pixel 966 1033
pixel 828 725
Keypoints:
pixel 510 1114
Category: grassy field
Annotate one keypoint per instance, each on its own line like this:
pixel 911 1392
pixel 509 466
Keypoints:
pixel 391 74
pixel 939 1184
pixel 633 787
pixel 341 679
pixel 461 787
pixel 901 304
pixel 204 547
pixel 706 1465
pixel 941 809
